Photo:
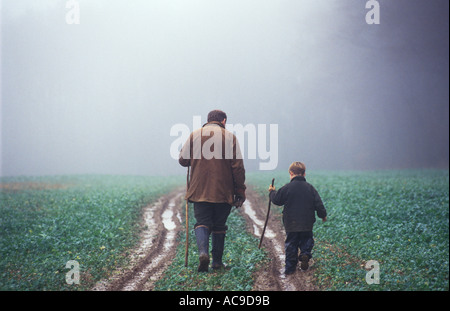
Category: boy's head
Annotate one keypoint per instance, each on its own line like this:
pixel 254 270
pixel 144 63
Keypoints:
pixel 297 169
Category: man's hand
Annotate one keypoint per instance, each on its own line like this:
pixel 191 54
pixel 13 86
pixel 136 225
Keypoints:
pixel 238 201
pixel 271 188
pixel 324 219
pixel 239 197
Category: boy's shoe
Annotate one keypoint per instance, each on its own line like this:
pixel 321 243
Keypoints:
pixel 219 267
pixel 289 272
pixel 304 262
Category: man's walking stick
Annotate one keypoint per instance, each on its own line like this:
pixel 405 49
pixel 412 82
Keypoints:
pixel 267 219
pixel 187 221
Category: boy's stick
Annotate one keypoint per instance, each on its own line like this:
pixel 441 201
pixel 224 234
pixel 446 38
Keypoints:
pixel 187 222
pixel 267 219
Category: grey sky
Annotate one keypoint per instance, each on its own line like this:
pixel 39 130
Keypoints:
pixel 101 97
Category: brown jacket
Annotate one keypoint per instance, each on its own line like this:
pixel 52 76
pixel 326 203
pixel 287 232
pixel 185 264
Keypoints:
pixel 217 168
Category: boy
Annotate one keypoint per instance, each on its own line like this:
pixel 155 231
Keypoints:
pixel 301 201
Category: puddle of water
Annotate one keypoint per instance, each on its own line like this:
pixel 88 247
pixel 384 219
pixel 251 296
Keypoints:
pixel 169 224
pixel 258 224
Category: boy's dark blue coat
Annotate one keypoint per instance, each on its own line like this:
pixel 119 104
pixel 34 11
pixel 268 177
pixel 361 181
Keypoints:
pixel 301 201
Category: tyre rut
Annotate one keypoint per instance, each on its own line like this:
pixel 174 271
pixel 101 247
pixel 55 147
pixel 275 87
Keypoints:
pixel 161 221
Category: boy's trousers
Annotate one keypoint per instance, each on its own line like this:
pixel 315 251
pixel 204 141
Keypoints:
pixel 294 241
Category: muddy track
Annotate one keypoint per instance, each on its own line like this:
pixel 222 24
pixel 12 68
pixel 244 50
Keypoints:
pixel 161 223
pixel 272 278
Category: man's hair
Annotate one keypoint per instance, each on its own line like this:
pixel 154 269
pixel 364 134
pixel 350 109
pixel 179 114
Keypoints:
pixel 297 168
pixel 216 115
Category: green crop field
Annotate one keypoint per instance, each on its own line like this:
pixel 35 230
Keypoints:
pixel 45 222
pixel 398 218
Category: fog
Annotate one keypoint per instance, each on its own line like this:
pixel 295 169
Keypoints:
pixel 101 96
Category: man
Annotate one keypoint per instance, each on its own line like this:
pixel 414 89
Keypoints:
pixel 216 184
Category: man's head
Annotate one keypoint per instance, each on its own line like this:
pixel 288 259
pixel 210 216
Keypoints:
pixel 297 169
pixel 217 115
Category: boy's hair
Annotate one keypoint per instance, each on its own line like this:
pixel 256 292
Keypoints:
pixel 297 168
pixel 216 115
